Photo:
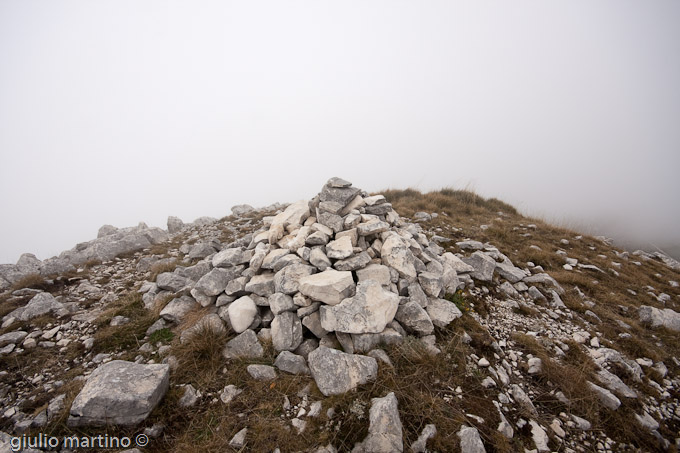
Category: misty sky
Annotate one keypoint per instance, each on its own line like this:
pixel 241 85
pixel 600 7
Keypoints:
pixel 115 112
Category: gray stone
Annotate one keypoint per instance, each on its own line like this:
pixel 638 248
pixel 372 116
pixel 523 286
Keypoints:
pixel 509 272
pixel 615 384
pixel 286 331
pixel 539 437
pixel 39 305
pixel 368 311
pixel 442 312
pixel 119 393
pixel 340 195
pixel 175 225
pixel 377 272
pixel 319 259
pixel 431 284
pixel 261 372
pixel 313 323
pixel 201 250
pixel 647 421
pixel 607 398
pixel 654 317
pixel 291 363
pixel 229 393
pixel 329 286
pixel 340 248
pixel 470 442
pixel 522 399
pixel 336 372
pixel 353 263
pixel 456 263
pixel 483 265
pixel 317 238
pixel 420 445
pixel 12 337
pixel 367 341
pixel 239 440
pixel 372 228
pixel 287 280
pixel 396 253
pixel 414 318
pixel 232 257
pixel 190 397
pixel 262 285
pixel 215 281
pixel 245 345
pixel 384 429
pixel 241 209
pixel 470 245
pixel 279 302
pixel 178 308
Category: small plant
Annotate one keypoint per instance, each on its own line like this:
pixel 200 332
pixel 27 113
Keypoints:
pixel 459 299
pixel 162 335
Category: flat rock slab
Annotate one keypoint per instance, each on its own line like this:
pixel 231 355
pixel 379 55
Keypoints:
pixel 119 393
pixel 384 430
pixel 329 286
pixel 336 372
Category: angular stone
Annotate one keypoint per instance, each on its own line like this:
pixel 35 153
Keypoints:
pixel 442 312
pixel 286 331
pixel 509 272
pixel 175 225
pixel 317 238
pixel 319 259
pixel 40 304
pixel 470 442
pixel 215 281
pixel 119 393
pixel 262 285
pixel 313 323
pixel 261 372
pixel 242 312
pixel 377 272
pixel 654 317
pixel 178 308
pixel 232 257
pixel 420 445
pixel 414 318
pixel 483 265
pixel 340 248
pixel 12 337
pixel 353 263
pixel 431 284
pixel 279 302
pixel 384 429
pixel 615 384
pixel 397 254
pixel 171 282
pixel 456 263
pixel 291 363
pixel 246 345
pixel 607 398
pixel 329 286
pixel 287 280
pixel 239 440
pixel 336 372
pixel 340 195
pixel 229 393
pixel 368 311
pixel 366 341
pixel 372 227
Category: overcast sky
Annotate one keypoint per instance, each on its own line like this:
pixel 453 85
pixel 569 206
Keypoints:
pixel 115 112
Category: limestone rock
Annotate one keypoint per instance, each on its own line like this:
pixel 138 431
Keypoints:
pixel 336 372
pixel 242 312
pixel 246 345
pixel 329 286
pixel 442 312
pixel 385 429
pixel 368 311
pixel 286 331
pixel 119 393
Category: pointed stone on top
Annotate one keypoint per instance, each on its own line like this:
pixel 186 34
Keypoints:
pixel 338 182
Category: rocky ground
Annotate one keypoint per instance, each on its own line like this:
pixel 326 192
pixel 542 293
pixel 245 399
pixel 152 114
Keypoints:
pixel 351 322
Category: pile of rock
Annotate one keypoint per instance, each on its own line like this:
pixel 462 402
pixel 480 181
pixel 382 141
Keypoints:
pixel 325 280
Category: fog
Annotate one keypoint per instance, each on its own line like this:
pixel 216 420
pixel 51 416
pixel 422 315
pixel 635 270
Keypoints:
pixel 115 112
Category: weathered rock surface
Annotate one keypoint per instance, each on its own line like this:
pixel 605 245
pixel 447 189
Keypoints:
pixel 119 393
pixel 329 287
pixel 384 430
pixel 336 372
